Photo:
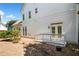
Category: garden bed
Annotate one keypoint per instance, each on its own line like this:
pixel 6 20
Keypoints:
pixel 44 49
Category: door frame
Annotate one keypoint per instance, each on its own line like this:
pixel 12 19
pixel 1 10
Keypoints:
pixel 56 27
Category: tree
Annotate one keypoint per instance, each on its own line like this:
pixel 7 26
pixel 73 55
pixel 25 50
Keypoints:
pixel 10 23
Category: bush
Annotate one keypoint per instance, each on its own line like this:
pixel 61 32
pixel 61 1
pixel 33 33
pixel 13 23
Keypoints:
pixel 15 33
pixel 3 34
pixel 16 36
pixel 10 35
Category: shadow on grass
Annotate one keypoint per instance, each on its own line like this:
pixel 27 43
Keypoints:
pixel 44 49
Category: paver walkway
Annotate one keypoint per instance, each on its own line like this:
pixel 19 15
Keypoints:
pixel 14 49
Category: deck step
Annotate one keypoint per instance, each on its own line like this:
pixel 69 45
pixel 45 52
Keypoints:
pixel 61 43
pixel 57 44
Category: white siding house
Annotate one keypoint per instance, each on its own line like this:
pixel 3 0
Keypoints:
pixel 57 21
pixel 3 27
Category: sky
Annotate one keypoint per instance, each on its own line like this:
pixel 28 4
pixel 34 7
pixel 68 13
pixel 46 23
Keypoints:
pixel 10 11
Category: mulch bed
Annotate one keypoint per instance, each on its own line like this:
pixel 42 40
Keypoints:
pixel 44 49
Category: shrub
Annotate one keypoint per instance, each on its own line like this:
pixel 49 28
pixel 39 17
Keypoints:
pixel 16 36
pixel 10 35
pixel 15 33
pixel 3 34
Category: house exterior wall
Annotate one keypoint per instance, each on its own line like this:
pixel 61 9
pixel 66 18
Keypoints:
pixel 51 13
pixel 77 11
pixel 77 20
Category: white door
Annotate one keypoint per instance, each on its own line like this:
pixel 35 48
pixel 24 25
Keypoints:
pixel 56 29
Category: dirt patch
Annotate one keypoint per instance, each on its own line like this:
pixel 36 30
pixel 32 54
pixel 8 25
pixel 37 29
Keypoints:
pixel 10 49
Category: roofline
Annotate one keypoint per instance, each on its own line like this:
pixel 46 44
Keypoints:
pixel 22 7
pixel 16 22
